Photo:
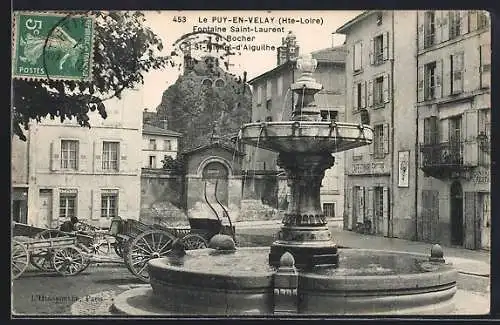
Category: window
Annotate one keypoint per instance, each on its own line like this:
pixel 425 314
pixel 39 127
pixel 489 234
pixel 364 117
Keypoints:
pixel 110 155
pixel 357 56
pixel 167 145
pixel 279 86
pixel 454 18
pixel 152 161
pixel 328 115
pixel 378 202
pixel 329 210
pixel 378 49
pixel 206 83
pixel 219 83
pixel 67 204
pixel 259 95
pixel 152 144
pixel 431 131
pixel 109 204
pixel 478 19
pixel 359 95
pixel 378 91
pixel 485 65
pixel 455 129
pixel 269 89
pixel 269 104
pixel 379 19
pixel 429 29
pixel 484 136
pixel 69 154
pixel 430 80
pixel 378 141
pixel 457 78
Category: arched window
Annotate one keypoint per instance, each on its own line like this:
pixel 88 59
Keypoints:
pixel 219 83
pixel 207 83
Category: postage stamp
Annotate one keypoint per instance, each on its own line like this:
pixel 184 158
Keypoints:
pixel 52 46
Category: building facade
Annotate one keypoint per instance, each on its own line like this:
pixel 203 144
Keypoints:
pixel 273 100
pixel 422 78
pixel 93 174
pixel 453 104
pixel 158 144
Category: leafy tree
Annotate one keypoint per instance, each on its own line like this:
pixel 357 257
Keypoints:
pixel 124 50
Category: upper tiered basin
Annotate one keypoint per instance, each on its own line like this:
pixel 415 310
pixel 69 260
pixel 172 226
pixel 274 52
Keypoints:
pixel 307 136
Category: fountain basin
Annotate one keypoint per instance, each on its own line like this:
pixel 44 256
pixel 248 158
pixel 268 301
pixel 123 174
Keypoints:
pixel 306 136
pixel 243 283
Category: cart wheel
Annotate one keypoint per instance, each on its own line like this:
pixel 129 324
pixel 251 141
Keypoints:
pixel 101 247
pixel 148 245
pixel 42 258
pixel 20 259
pixel 69 261
pixel 194 241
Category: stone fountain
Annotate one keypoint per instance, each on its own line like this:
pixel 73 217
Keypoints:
pixel 303 272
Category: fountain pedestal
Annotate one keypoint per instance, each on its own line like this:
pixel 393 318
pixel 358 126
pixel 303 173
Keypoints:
pixel 305 233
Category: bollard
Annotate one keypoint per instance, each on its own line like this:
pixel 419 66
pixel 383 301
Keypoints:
pixel 286 281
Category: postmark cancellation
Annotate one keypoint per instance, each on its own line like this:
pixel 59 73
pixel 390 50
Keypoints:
pixel 54 46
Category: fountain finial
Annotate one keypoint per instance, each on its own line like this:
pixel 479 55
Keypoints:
pixel 307 64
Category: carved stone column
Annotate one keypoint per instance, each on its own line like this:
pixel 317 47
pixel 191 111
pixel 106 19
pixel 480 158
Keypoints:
pixel 305 233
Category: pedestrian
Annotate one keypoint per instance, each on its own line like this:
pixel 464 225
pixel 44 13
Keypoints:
pixel 70 225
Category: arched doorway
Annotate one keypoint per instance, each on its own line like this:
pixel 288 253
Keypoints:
pixel 456 214
pixel 216 173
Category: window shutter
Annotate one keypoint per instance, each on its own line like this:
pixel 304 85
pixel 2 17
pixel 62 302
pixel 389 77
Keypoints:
pixel 386 88
pixel 369 205
pixel 360 55
pixel 385 46
pixel 363 94
pixel 434 129
pixel 96 204
pixel 386 138
pixel 444 128
pixel 355 97
pixel 485 65
pixel 124 163
pixel 464 22
pixel 445 26
pixel 435 216
pixel 427 131
pixel 97 156
pixel 438 26
pixel 372 58
pixel 439 79
pixel 83 152
pixel 421 19
pixel 370 93
pixel 349 207
pixel 122 204
pixel 55 155
pixel 458 77
pixel 385 210
pixel 361 204
pixel 447 76
pixel 354 57
pixel 472 20
pixel 471 148
pixel 420 77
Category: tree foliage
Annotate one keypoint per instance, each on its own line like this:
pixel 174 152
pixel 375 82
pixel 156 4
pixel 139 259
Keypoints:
pixel 125 49
pixel 201 112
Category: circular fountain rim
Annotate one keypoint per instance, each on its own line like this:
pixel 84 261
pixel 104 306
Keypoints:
pixel 309 123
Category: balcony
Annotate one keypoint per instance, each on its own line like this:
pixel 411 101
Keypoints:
pixel 447 160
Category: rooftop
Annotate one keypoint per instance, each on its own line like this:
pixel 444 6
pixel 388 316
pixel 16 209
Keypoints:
pixel 150 129
pixel 344 28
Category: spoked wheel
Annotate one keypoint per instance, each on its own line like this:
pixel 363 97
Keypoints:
pixel 101 247
pixel 148 245
pixel 20 259
pixel 194 241
pixel 69 261
pixel 42 258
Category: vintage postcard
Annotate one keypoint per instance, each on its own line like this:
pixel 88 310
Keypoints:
pixel 250 163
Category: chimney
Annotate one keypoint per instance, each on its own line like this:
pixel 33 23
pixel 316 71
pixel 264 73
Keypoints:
pixel 164 124
pixel 145 110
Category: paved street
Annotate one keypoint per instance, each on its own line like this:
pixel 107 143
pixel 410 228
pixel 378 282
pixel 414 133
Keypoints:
pixel 91 292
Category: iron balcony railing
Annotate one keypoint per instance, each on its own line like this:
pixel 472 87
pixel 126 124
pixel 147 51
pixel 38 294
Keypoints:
pixel 447 154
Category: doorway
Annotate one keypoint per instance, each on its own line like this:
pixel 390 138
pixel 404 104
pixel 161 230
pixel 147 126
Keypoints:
pixel 456 214
pixel 45 208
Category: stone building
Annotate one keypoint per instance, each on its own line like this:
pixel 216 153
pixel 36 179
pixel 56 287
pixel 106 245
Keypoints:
pixel 453 106
pixel 273 101
pixel 422 79
pixel 158 143
pixel 93 174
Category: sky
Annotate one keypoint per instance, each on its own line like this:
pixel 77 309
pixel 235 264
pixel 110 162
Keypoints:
pixel 313 30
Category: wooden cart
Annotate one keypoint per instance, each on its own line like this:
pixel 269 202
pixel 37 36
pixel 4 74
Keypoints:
pixel 48 250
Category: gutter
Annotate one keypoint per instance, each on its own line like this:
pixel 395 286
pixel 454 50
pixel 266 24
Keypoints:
pixel 416 137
